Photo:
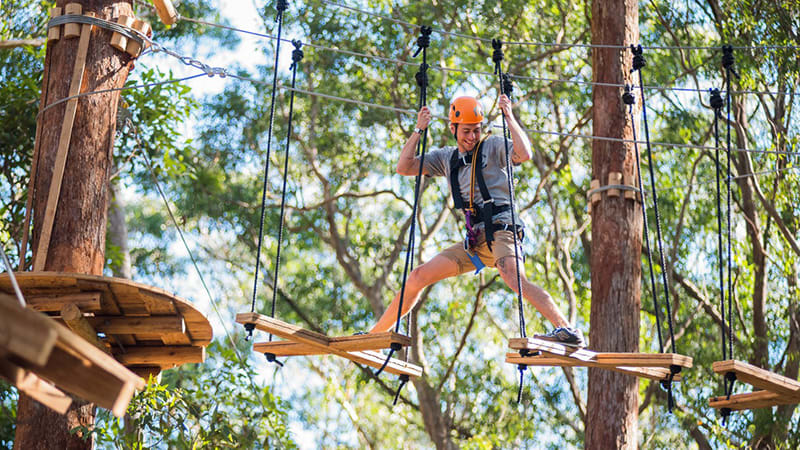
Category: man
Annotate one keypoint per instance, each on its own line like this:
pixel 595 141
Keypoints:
pixel 490 239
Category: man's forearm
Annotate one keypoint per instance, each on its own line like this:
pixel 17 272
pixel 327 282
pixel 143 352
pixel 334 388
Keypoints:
pixel 408 163
pixel 521 143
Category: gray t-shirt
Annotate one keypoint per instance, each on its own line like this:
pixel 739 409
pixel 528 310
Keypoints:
pixel 437 164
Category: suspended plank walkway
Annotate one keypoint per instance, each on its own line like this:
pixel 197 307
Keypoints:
pixel 775 389
pixel 361 349
pixel 655 366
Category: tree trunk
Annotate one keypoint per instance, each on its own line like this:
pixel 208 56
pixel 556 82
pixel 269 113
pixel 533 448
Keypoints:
pixel 77 242
pixel 612 406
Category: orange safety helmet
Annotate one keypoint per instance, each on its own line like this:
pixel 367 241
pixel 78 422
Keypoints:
pixel 466 110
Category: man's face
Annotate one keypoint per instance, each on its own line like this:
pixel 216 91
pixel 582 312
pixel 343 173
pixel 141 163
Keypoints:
pixel 467 135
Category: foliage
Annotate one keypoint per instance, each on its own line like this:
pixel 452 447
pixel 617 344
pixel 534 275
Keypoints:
pixel 213 405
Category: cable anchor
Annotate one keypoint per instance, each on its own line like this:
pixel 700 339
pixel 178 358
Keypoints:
pixel 638 58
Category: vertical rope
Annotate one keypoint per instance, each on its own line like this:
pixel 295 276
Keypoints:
pixel 423 42
pixel 297 56
pixel 716 104
pixel 281 7
pixel 728 62
pixel 497 58
pixel 629 99
pixel 638 63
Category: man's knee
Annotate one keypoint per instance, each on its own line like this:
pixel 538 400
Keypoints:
pixel 507 266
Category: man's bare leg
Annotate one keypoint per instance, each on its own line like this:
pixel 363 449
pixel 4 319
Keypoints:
pixel 438 268
pixel 537 296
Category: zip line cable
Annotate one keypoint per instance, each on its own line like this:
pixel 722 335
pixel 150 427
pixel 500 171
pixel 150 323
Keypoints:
pixel 281 7
pixel 548 44
pixel 466 71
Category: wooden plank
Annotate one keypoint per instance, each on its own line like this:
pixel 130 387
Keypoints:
pixel 758 377
pixel 297 334
pixel 134 325
pixel 25 333
pixel 752 400
pixel 283 329
pixel 89 381
pixel 119 41
pixel 72 30
pixel 53 33
pixel 653 373
pixel 85 301
pixel 372 341
pixel 166 12
pixel 607 358
pixel 161 356
pixel 40 257
pixel 73 318
pixel 33 386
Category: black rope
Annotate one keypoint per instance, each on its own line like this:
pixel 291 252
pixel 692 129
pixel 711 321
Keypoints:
pixel 281 7
pixel 422 80
pixel 728 62
pixel 403 380
pixel 717 103
pixel 638 63
pixel 629 99
pixel 297 56
pixel 522 368
pixel 505 83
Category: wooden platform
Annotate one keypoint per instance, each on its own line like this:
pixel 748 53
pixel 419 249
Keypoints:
pixel 146 328
pixel 655 366
pixel 360 349
pixel 774 390
pixel 35 351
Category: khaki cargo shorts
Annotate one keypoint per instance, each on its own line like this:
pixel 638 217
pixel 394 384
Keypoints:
pixel 502 246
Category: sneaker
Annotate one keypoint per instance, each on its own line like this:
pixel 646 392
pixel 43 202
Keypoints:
pixel 565 336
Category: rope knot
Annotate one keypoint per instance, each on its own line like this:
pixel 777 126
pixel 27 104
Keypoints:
pixel 249 327
pixel 282 5
pixel 508 85
pixel 297 54
pixel 271 358
pixel 627 97
pixel 422 75
pixel 716 101
pixel 728 60
pixel 424 39
pixel 497 54
pixel 638 57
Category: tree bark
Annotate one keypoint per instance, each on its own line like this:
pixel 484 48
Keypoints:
pixel 612 406
pixel 77 243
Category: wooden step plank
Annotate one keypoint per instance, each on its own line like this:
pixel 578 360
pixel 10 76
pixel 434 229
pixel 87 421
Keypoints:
pixel 161 356
pixel 752 400
pixel 25 333
pixel 35 387
pixel 758 377
pixel 283 329
pixel 619 359
pixel 372 341
pixel 136 325
pixel 322 342
pixel 653 373
pixel 86 301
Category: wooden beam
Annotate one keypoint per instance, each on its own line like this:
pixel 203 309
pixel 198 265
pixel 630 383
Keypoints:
pixel 372 341
pixel 33 386
pixel 758 377
pixel 40 257
pixel 85 301
pixel 653 373
pixel 25 333
pixel 166 12
pixel 752 400
pixel 605 358
pixel 161 356
pixel 322 342
pixel 147 371
pixel 73 317
pixel 136 325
